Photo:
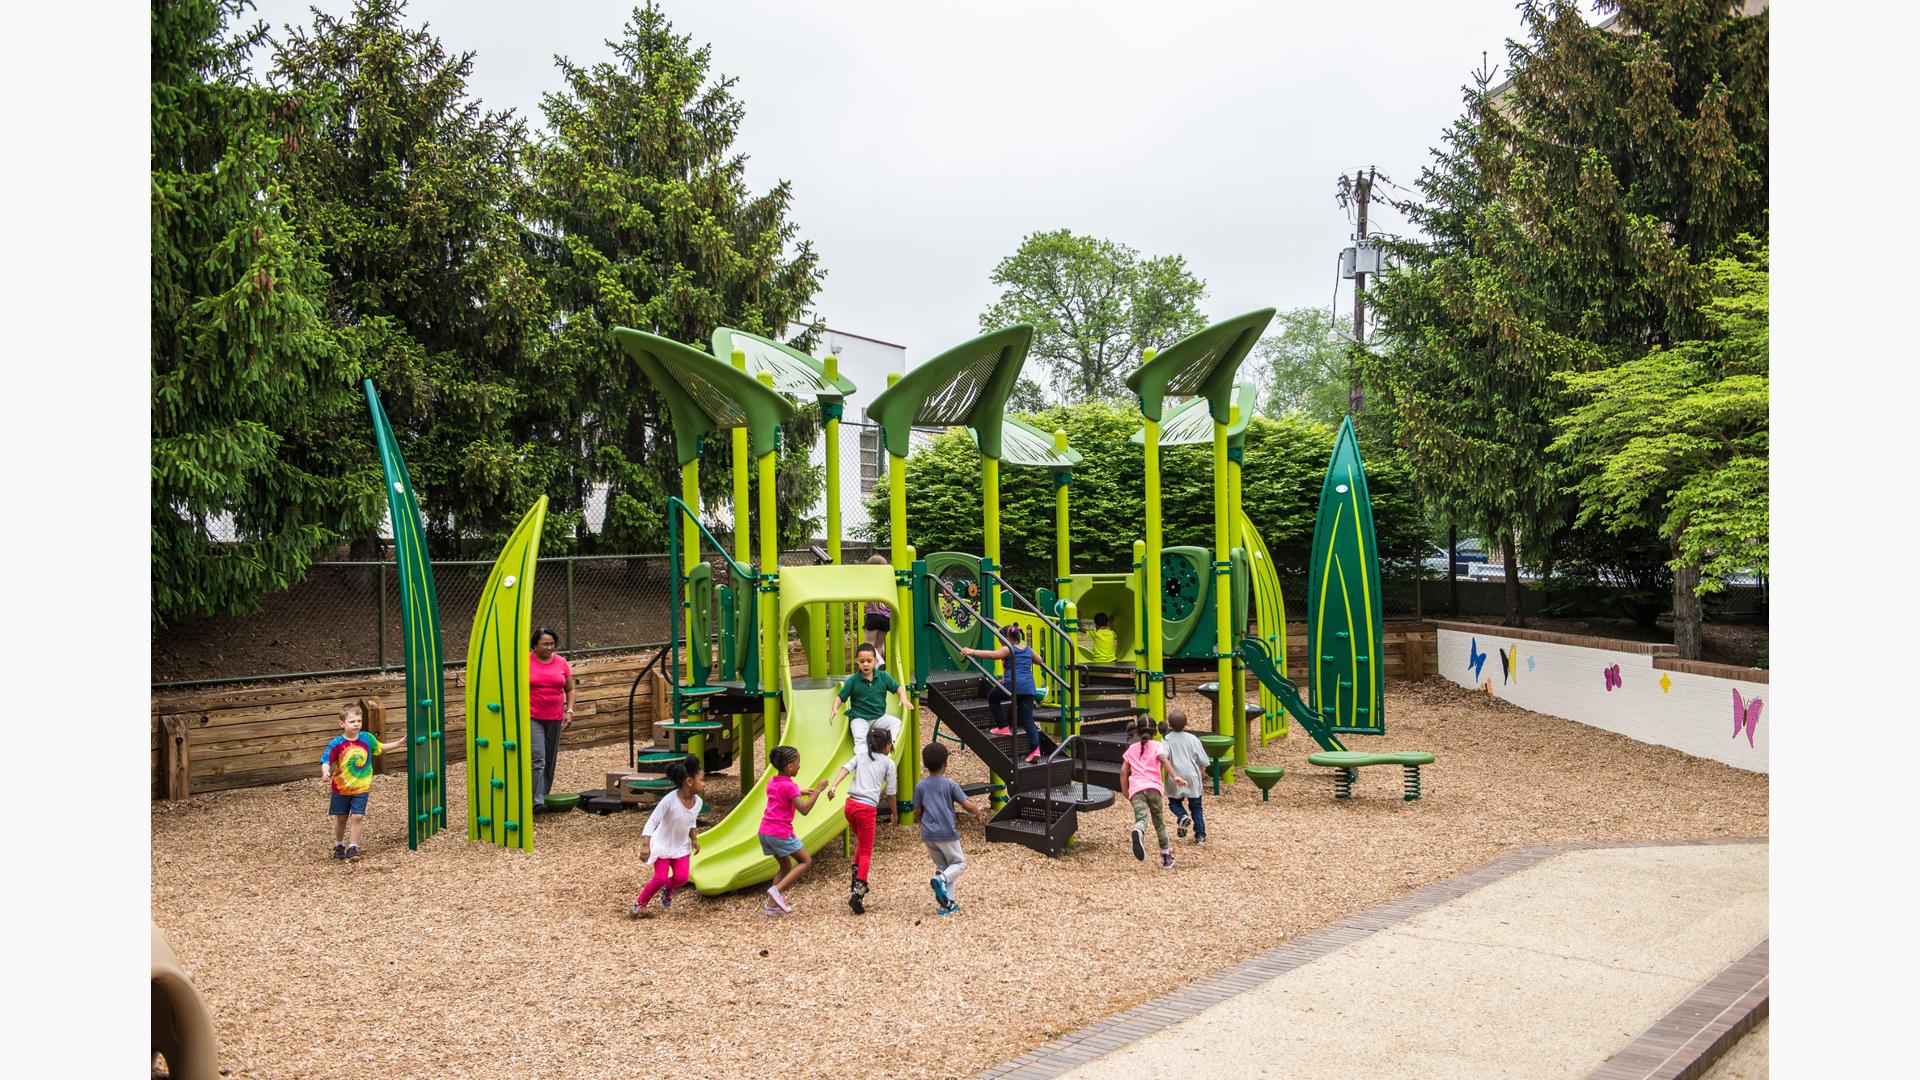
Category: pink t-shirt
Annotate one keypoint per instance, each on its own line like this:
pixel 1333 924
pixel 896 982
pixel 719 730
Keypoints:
pixel 778 820
pixel 1141 767
pixel 547 686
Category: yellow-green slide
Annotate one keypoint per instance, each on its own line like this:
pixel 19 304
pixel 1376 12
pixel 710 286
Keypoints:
pixel 730 856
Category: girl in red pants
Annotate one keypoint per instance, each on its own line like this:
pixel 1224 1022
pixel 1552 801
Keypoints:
pixel 875 782
pixel 668 842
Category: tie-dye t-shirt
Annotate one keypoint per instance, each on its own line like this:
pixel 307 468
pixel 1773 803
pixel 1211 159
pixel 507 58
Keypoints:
pixel 352 763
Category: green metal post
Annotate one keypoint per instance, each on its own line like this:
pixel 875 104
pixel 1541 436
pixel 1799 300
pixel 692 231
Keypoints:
pixel 773 636
pixel 690 554
pixel 1223 600
pixel 1156 663
pixel 1236 528
pixel 743 554
pixel 903 558
pixel 836 635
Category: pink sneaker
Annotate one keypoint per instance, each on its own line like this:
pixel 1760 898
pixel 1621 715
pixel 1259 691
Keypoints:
pixel 780 900
pixel 1033 757
pixel 1001 731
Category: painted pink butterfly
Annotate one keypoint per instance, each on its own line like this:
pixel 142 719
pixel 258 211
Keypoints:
pixel 1612 677
pixel 1746 715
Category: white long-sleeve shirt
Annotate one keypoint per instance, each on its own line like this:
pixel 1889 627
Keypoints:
pixel 671 826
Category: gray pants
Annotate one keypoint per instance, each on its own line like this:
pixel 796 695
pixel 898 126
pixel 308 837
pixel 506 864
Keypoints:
pixel 948 860
pixel 1150 802
pixel 546 754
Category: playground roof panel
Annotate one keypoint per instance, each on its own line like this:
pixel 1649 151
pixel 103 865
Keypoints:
pixel 703 394
pixel 1191 422
pixel 965 386
pixel 1203 363
pixel 794 373
pixel 1022 443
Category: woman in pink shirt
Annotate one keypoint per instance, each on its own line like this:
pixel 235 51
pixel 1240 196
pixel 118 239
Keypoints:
pixel 550 694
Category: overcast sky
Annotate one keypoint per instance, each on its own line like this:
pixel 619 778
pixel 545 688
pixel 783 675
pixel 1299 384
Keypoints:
pixel 924 143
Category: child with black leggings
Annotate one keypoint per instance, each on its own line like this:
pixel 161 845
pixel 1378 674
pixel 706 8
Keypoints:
pixel 1016 686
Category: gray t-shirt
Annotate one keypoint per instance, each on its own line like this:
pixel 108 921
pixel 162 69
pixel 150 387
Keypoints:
pixel 933 800
pixel 1189 760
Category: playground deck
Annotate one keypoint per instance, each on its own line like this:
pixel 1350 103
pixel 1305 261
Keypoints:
pixel 480 959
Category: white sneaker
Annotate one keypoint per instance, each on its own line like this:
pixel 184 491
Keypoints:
pixel 779 899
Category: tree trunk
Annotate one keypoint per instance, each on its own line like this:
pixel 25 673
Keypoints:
pixel 1516 614
pixel 1686 612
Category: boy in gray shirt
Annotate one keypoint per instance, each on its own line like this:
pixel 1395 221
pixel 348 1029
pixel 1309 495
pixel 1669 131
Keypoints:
pixel 934 798
pixel 1189 760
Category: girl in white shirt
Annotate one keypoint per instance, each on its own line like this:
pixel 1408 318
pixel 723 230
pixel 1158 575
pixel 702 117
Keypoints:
pixel 875 782
pixel 668 842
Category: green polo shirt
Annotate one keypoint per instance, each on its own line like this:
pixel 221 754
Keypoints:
pixel 867 698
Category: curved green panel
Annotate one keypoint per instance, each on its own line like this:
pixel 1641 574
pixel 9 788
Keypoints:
pixel 420 633
pixel 1270 624
pixel 700 619
pixel 794 373
pixel 1201 364
pixel 1191 422
pixel 499 726
pixel 961 572
pixel 1185 584
pixel 1344 619
pixel 704 394
pixel 966 386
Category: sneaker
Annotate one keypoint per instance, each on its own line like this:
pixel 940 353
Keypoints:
pixel 779 899
pixel 854 901
pixel 353 852
pixel 1183 828
pixel 1139 847
pixel 666 898
pixel 771 909
pixel 1033 757
pixel 948 908
pixel 1001 731
pixel 1166 860
pixel 939 885
pixel 638 911
pixel 1199 841
pixel 339 851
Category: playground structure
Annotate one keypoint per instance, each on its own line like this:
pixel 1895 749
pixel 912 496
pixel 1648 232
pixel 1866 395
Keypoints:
pixel 731 680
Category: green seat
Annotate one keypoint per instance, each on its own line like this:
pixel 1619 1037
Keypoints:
pixel 1347 762
pixel 658 757
pixel 1353 759
pixel 562 801
pixel 1218 748
pixel 651 783
pixel 1264 777
pixel 690 725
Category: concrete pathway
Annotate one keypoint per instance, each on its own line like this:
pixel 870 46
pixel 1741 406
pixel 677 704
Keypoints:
pixel 1544 967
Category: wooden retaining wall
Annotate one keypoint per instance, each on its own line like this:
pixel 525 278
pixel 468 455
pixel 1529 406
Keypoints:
pixel 245 736
pixel 229 737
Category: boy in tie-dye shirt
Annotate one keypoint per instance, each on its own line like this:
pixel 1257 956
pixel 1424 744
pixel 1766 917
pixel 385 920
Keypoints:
pixel 348 763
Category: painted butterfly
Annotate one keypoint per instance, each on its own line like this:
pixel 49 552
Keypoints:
pixel 1612 677
pixel 1475 658
pixel 1747 715
pixel 1510 664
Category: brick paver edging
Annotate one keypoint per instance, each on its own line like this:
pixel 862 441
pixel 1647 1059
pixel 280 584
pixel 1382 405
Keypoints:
pixel 1105 1036
pixel 1684 1043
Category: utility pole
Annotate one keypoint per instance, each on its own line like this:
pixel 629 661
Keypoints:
pixel 1357 262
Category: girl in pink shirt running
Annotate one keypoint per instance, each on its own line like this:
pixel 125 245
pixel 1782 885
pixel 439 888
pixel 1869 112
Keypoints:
pixel 1141 770
pixel 785 799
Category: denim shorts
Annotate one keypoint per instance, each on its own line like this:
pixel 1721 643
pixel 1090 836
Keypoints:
pixel 779 845
pixel 342 805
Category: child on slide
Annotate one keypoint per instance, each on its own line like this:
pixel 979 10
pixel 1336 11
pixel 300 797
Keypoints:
pixel 864 695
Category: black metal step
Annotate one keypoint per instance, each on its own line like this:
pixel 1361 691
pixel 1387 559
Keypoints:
pixel 1091 796
pixel 1093 710
pixel 1025 822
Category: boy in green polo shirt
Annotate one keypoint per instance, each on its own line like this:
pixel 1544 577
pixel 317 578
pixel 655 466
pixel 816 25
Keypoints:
pixel 865 695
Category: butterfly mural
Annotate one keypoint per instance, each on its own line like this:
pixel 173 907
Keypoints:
pixel 1510 664
pixel 1745 715
pixel 1475 658
pixel 1612 677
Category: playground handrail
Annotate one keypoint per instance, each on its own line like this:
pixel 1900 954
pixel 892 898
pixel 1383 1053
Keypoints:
pixel 739 572
pixel 991 626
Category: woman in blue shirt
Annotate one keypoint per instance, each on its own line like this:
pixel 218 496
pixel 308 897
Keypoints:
pixel 1016 685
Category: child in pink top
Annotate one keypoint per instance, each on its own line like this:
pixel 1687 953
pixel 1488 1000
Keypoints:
pixel 1141 769
pixel 785 798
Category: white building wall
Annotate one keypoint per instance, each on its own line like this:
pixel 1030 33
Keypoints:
pixel 1617 689
pixel 867 363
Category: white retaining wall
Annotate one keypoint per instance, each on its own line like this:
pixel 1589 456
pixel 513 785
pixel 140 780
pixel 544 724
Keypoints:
pixel 1693 713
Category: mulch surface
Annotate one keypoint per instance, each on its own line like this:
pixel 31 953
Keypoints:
pixel 465 960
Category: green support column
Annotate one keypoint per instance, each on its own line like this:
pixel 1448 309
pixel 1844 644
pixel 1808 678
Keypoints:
pixel 743 554
pixel 1236 523
pixel 690 555
pixel 1062 544
pixel 902 642
pixel 835 628
pixel 1150 571
pixel 773 638
pixel 1223 598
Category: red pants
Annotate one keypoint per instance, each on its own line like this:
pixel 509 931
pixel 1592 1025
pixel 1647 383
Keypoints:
pixel 667 874
pixel 860 819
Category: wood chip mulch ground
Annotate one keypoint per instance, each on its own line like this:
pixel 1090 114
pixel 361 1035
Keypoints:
pixel 464 960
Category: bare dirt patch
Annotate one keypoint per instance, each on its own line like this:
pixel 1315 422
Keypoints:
pixel 461 960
